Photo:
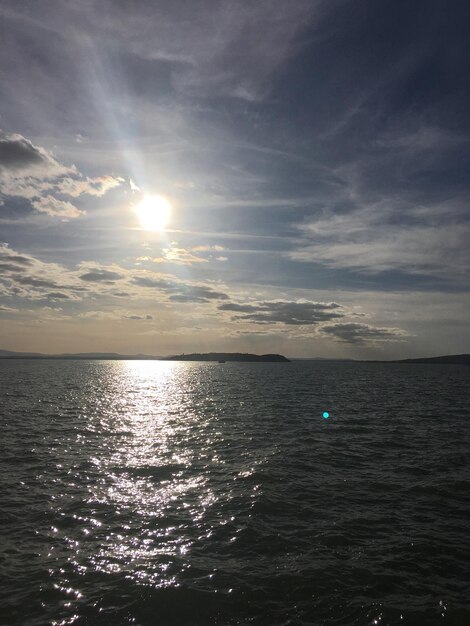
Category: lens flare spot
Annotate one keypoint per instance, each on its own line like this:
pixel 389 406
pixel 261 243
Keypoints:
pixel 326 415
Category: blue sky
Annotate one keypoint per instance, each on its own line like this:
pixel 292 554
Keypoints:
pixel 315 155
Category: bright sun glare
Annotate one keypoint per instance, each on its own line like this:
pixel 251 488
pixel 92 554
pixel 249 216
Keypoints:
pixel 153 212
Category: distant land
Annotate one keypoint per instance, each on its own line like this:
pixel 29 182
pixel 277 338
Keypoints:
pixel 451 359
pixel 321 358
pixel 454 359
pixel 228 356
pixel 106 356
pixel 114 356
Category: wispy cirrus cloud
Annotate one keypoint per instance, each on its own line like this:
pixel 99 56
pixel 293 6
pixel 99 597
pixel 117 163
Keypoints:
pixel 175 254
pixel 208 47
pixel 428 240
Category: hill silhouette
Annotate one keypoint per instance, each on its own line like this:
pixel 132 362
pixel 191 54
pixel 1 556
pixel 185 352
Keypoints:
pixel 229 356
pixel 451 359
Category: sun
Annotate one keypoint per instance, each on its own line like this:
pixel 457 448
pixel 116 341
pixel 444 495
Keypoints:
pixel 153 212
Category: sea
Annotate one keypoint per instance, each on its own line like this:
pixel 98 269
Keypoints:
pixel 188 494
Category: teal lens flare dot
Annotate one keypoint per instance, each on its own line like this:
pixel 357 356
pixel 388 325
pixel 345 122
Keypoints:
pixel 326 415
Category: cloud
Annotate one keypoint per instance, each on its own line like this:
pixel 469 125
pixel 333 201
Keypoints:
pixel 101 275
pixel 57 208
pixel 198 293
pixel 19 159
pixel 57 295
pixel 426 240
pixel 181 292
pixel 34 174
pixel 290 313
pixel 210 47
pixel 241 308
pixel 35 282
pixel 221 54
pixel 208 248
pixel 184 256
pixel 22 261
pixel 421 138
pixel 137 317
pixel 362 333
pixel 183 298
pixel 11 262
pixel 17 153
pixel 97 186
pixel 26 277
pixel 99 315
pixel 179 256
pixel 298 317
pixel 158 283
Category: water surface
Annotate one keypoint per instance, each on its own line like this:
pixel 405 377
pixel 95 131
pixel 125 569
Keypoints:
pixel 172 493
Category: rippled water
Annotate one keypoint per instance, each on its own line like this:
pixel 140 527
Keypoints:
pixel 203 493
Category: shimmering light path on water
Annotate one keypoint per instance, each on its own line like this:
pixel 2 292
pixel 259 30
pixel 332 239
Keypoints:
pixel 183 493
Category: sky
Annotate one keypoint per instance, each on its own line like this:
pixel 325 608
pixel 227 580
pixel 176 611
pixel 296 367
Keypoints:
pixel 232 175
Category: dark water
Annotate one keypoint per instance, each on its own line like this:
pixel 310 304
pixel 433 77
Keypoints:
pixel 192 494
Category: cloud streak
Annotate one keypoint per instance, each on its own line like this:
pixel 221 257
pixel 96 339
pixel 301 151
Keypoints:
pixel 288 313
pixel 421 240
pixel 179 291
pixel 208 47
pixel 354 333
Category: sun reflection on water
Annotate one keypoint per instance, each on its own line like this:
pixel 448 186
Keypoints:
pixel 157 482
pixel 154 472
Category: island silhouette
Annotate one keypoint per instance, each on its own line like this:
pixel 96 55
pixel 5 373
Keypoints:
pixel 228 356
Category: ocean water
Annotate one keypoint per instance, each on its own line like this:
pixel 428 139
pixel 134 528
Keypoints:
pixel 174 493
